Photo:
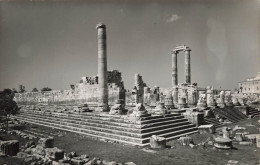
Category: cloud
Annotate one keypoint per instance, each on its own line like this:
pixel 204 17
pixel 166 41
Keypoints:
pixel 173 17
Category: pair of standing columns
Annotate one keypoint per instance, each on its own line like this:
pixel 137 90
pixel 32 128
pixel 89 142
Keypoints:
pixel 175 67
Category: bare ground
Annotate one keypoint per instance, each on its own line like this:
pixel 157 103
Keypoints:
pixel 178 154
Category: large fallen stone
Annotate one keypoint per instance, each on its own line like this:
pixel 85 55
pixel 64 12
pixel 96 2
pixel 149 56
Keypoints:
pixel 207 129
pixel 47 142
pixel 10 147
pixel 223 143
pixel 157 142
pixel 54 153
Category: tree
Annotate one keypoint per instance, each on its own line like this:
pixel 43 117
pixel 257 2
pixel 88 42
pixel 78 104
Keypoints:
pixel 35 90
pixel 8 106
pixel 46 89
pixel 21 89
pixel 14 90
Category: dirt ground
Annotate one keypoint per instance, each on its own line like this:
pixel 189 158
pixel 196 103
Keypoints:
pixel 176 155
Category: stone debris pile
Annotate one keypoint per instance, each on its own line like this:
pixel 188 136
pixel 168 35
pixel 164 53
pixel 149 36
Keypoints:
pixel 44 153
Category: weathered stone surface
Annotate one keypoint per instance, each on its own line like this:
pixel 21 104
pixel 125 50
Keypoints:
pixel 246 143
pixel 160 109
pixel 239 137
pixel 29 144
pixel 22 155
pixel 207 128
pixel 10 147
pixel 223 143
pixel 185 141
pixel 54 153
pixel 38 150
pixel 157 142
pixel 77 162
pixel 194 116
pixel 130 163
pixel 116 109
pixel 47 142
pixel 138 112
pixel 71 154
pixel 202 103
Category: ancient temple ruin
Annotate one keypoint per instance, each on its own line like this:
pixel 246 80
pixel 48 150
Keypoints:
pixel 100 106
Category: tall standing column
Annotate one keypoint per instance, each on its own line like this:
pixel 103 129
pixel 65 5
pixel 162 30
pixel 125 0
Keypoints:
pixel 187 66
pixel 102 67
pixel 174 69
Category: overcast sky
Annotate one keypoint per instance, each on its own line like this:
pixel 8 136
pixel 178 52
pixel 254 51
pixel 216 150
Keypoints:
pixel 54 44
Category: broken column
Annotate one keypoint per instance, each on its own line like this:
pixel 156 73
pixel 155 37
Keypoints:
pixel 187 66
pixel 175 96
pixel 102 67
pixel 174 69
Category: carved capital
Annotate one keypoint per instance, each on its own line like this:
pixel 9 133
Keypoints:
pixel 100 25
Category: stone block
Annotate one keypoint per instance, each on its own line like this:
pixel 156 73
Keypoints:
pixel 47 142
pixel 185 141
pixel 54 153
pixel 157 142
pixel 10 147
pixel 207 128
pixel 254 138
pixel 246 143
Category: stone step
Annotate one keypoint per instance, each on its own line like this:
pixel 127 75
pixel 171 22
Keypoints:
pixel 213 121
pixel 95 115
pixel 91 132
pixel 114 137
pixel 113 121
pixel 172 135
pixel 134 133
pixel 254 113
pixel 226 115
pixel 99 126
pixel 236 113
pixel 233 113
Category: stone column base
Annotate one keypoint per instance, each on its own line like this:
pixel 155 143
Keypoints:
pixel 102 109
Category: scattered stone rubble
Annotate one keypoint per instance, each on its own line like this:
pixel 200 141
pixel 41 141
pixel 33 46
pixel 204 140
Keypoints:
pixel 44 153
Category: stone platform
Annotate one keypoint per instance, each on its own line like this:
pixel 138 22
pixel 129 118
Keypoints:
pixel 117 128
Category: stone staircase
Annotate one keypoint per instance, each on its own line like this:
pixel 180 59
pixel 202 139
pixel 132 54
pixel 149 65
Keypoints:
pixel 253 112
pixel 231 114
pixel 213 121
pixel 112 127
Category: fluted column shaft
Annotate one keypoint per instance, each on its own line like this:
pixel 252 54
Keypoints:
pixel 174 69
pixel 187 67
pixel 102 67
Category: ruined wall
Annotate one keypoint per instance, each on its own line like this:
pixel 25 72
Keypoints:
pixel 86 91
